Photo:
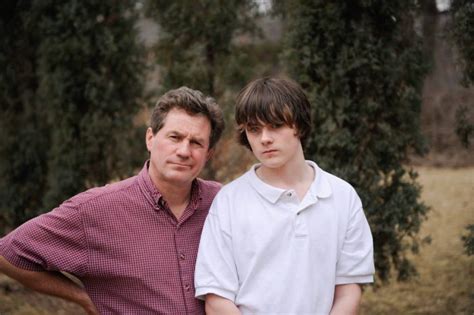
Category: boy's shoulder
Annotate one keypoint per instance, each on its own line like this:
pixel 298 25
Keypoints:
pixel 336 184
pixel 237 184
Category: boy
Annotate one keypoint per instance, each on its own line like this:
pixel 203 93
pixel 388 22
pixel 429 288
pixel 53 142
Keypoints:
pixel 286 237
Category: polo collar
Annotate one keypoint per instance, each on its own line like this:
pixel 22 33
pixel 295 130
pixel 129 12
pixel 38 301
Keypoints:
pixel 154 196
pixel 320 187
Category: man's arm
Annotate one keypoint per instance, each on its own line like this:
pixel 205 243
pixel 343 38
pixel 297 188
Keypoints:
pixel 217 305
pixel 52 283
pixel 346 299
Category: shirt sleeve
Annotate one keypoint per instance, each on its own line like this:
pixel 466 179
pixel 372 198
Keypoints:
pixel 215 266
pixel 356 262
pixel 54 241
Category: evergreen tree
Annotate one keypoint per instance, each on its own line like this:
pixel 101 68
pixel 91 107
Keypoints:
pixel 362 67
pixel 462 12
pixel 23 136
pixel 70 84
pixel 462 33
pixel 90 70
pixel 196 40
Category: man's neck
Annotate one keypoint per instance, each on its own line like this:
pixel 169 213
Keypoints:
pixel 177 196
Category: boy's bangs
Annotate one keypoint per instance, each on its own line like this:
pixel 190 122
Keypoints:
pixel 269 113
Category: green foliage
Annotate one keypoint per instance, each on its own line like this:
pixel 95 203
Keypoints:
pixel 69 92
pixel 24 136
pixel 90 76
pixel 462 32
pixel 464 128
pixel 196 39
pixel 361 65
pixel 468 240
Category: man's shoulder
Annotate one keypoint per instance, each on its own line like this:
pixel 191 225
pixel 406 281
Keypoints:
pixel 103 193
pixel 208 187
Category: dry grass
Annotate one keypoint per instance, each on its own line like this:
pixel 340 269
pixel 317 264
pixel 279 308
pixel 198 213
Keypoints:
pixel 445 284
pixel 446 275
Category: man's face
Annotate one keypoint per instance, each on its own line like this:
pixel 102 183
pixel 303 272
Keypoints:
pixel 180 149
pixel 274 146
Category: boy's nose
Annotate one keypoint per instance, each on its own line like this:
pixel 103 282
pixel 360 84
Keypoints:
pixel 266 136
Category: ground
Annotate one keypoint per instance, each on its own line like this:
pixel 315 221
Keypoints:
pixel 445 284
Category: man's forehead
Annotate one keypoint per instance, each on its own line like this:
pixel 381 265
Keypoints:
pixel 185 124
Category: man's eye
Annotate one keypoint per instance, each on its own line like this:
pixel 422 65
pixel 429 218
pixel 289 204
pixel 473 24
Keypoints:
pixel 197 143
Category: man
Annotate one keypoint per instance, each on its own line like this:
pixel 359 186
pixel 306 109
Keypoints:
pixel 286 237
pixel 133 244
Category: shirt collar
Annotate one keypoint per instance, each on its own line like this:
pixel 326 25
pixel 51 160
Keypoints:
pixel 153 194
pixel 320 187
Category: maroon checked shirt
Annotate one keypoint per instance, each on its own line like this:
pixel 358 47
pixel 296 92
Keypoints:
pixel 122 241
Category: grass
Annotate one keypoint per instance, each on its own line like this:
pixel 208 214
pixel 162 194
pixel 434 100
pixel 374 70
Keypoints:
pixel 445 284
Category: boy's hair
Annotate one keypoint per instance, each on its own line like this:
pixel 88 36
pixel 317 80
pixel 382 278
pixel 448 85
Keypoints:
pixel 273 101
pixel 192 102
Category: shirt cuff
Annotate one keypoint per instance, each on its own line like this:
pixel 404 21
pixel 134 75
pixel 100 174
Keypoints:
pixel 355 279
pixel 7 252
pixel 202 291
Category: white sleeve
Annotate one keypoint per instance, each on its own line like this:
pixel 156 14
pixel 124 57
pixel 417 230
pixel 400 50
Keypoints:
pixel 215 265
pixel 356 259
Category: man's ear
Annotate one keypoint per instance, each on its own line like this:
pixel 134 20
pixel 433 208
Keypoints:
pixel 210 153
pixel 149 139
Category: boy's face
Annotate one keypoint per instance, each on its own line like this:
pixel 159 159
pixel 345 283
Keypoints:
pixel 275 146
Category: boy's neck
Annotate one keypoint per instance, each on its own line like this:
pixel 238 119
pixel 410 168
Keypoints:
pixel 297 175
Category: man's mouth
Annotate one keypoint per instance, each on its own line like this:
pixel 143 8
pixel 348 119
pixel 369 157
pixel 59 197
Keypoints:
pixel 181 165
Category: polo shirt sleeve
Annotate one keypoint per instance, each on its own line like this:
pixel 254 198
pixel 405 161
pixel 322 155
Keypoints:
pixel 356 262
pixel 54 241
pixel 215 266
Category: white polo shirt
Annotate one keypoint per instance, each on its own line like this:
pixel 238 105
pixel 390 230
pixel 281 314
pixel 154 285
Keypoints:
pixel 269 253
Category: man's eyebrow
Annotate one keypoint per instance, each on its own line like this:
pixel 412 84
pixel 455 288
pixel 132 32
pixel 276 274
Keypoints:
pixel 175 132
pixel 194 138
pixel 198 139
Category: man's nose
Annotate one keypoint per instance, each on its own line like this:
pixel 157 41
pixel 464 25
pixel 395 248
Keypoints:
pixel 184 149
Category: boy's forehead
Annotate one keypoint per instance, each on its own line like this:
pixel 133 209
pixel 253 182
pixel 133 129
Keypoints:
pixel 262 121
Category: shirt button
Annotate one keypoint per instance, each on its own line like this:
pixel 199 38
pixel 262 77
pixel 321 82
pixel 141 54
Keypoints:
pixel 289 194
pixel 187 287
pixel 182 256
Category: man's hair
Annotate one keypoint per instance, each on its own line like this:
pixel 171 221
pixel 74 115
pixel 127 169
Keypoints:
pixel 192 102
pixel 273 101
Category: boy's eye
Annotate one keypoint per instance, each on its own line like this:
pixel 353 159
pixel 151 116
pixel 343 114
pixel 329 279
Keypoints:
pixel 276 126
pixel 253 129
